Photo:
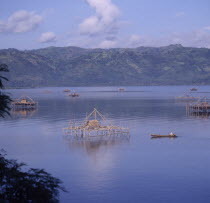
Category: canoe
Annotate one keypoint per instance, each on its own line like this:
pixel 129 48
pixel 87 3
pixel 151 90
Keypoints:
pixel 193 89
pixel 156 135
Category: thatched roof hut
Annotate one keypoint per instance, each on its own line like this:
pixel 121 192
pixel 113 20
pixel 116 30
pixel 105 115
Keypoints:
pixel 93 124
pixel 24 102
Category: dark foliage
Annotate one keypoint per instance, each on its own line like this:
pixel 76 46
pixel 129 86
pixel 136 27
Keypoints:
pixel 3 68
pixel 18 185
pixel 4 98
pixel 4 104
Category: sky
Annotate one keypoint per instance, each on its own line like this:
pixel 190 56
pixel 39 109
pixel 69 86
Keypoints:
pixel 33 24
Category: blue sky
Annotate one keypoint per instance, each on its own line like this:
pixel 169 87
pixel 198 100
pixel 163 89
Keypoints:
pixel 27 24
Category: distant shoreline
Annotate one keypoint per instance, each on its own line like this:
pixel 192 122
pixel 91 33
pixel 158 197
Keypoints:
pixel 117 86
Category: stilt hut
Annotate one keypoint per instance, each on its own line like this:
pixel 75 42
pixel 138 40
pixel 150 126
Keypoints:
pixel 74 94
pixel 121 89
pixel 67 90
pixel 193 89
pixel 201 107
pixel 24 102
pixel 95 125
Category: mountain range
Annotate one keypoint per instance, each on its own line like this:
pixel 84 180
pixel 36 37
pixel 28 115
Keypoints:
pixel 74 66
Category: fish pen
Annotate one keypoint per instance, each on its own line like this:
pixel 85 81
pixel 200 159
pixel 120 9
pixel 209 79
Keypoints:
pixel 95 125
pixel 24 102
pixel 201 107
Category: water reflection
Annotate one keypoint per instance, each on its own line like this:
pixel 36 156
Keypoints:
pixel 101 170
pixel 204 115
pixel 23 113
pixel 53 110
pixel 94 145
pixel 171 138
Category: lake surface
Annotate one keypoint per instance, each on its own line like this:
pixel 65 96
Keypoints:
pixel 140 169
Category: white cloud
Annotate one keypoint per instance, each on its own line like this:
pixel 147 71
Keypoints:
pixel 106 44
pixel 47 37
pixel 134 39
pixel 21 21
pixel 105 19
pixel 179 14
pixel 196 38
pixel 207 28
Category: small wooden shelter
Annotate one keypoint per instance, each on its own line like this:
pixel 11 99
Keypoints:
pixel 193 89
pixel 121 89
pixel 95 125
pixel 67 90
pixel 24 102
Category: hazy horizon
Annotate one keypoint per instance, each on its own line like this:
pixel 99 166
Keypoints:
pixel 105 48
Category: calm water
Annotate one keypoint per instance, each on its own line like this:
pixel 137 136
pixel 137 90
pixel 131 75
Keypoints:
pixel 139 170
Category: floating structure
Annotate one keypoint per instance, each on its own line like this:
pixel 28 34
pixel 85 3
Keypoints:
pixel 74 94
pixel 121 89
pixel 202 106
pixel 67 90
pixel 170 135
pixel 193 89
pixel 24 102
pixel 95 125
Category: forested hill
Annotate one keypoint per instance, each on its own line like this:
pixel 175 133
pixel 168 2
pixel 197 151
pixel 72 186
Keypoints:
pixel 74 66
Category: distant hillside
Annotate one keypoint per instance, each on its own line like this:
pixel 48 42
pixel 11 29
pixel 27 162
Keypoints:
pixel 74 66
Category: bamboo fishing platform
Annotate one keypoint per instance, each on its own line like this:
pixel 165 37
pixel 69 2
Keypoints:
pixel 24 102
pixel 202 106
pixel 95 125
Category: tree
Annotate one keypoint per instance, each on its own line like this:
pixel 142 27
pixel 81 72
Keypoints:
pixel 22 186
pixel 4 98
pixel 18 185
